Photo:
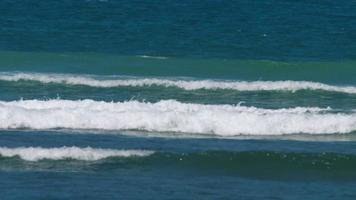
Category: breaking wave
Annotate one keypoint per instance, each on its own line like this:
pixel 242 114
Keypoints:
pixel 120 81
pixel 250 164
pixel 87 154
pixel 172 116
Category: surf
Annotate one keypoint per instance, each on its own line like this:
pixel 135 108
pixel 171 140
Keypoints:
pixel 172 116
pixel 181 83
pixel 76 153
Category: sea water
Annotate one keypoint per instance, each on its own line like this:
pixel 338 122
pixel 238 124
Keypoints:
pixel 175 99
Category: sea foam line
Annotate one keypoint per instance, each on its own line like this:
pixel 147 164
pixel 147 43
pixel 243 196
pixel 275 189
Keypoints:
pixel 107 82
pixel 172 116
pixel 77 153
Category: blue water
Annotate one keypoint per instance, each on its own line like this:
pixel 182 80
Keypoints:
pixel 272 30
pixel 217 99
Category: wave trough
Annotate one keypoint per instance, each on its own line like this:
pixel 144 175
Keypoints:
pixel 172 116
pixel 120 81
pixel 77 153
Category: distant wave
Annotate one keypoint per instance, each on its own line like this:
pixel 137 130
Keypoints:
pixel 88 153
pixel 153 57
pixel 172 116
pixel 109 81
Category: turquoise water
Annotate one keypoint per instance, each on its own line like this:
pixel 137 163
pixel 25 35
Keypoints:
pixel 177 99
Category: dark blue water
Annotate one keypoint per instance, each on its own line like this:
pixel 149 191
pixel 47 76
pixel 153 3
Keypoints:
pixel 273 30
pixel 216 99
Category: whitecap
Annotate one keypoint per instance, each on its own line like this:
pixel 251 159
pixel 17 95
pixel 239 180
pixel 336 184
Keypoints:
pixel 77 153
pixel 186 84
pixel 172 116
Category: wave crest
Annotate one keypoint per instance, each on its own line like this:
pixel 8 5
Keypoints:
pixel 87 154
pixel 172 116
pixel 108 82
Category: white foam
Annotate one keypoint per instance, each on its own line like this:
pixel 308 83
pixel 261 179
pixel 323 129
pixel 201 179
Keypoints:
pixel 107 82
pixel 172 116
pixel 77 153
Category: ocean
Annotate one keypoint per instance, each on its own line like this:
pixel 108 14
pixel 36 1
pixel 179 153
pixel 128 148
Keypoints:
pixel 214 99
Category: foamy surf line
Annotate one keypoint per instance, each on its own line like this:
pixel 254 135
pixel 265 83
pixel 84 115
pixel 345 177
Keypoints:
pixel 120 81
pixel 76 153
pixel 172 116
